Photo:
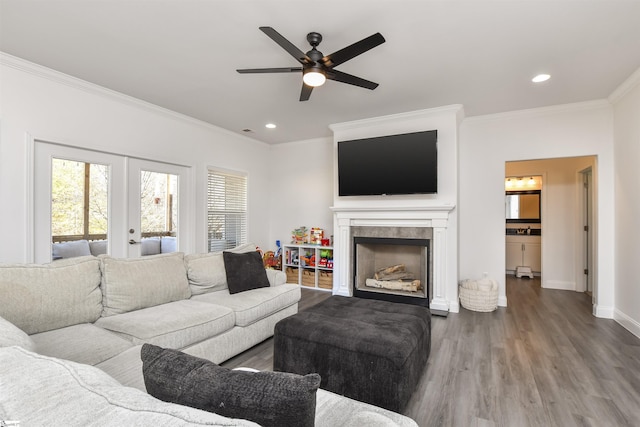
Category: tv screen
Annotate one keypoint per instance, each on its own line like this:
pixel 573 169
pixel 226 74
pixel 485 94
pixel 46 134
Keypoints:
pixel 395 164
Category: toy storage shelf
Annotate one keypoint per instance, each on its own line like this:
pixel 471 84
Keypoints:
pixel 305 265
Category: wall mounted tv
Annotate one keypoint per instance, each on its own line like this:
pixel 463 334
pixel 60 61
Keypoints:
pixel 386 165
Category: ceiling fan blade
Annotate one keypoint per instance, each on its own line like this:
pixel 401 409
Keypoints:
pixel 300 56
pixel 341 77
pixel 269 70
pixel 343 55
pixel 305 93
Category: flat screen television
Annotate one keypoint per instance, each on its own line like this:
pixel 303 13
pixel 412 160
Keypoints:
pixel 387 165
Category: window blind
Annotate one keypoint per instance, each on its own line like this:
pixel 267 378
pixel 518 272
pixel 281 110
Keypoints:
pixel 226 210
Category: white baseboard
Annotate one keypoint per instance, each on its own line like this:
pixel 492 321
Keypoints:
pixel 627 322
pixel 603 312
pixel 502 301
pixel 454 307
pixel 559 284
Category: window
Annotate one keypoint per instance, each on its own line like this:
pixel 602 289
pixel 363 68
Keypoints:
pixel 226 210
pixel 79 198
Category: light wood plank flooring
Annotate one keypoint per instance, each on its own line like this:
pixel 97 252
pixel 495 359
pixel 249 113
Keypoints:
pixel 543 361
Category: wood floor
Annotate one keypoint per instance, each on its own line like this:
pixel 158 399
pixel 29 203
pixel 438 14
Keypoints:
pixel 543 361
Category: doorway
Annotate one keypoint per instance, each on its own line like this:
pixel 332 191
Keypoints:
pixel 111 206
pixel 568 220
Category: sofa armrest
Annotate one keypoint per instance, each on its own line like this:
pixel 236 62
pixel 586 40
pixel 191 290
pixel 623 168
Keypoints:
pixel 276 277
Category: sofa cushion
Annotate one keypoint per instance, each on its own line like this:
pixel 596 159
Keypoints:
pixel 84 343
pixel 98 247
pixel 43 391
pixel 334 410
pixel 70 249
pixel 38 298
pixel 244 271
pixel 126 368
pixel 206 271
pixel 132 284
pixel 150 246
pixel 256 304
pixel 268 398
pixel 11 335
pixel 168 244
pixel 276 277
pixel 175 325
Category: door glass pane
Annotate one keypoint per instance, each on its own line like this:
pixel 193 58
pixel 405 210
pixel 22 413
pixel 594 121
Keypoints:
pixel 158 212
pixel 79 208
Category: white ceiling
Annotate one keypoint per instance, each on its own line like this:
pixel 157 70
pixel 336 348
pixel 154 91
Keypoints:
pixel 182 54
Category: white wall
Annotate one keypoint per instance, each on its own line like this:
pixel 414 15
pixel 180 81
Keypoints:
pixel 487 142
pixel 54 107
pixel 627 180
pixel 301 186
pixel 562 250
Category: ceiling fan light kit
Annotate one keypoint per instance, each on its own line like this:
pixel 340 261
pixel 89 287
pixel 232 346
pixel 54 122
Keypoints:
pixel 317 68
pixel 313 77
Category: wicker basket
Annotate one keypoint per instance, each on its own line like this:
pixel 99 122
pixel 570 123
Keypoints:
pixel 292 275
pixel 479 295
pixel 325 280
pixel 308 278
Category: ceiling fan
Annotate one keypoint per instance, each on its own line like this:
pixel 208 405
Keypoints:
pixel 316 67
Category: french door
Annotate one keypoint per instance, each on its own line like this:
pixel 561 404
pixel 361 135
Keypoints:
pixel 112 201
pixel 158 197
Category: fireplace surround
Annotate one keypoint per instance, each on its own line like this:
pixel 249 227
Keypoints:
pixel 431 222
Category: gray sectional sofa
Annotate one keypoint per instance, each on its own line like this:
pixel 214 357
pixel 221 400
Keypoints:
pixel 71 334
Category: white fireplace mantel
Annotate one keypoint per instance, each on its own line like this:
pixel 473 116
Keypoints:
pixel 433 216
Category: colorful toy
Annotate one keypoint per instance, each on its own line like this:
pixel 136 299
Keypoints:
pixel 300 236
pixel 317 234
pixel 308 260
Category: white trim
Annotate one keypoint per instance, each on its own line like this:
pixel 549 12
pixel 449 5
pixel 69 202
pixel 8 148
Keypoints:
pixel 559 284
pixel 627 322
pixel 29 191
pixel 393 118
pixel 625 87
pixel 94 89
pixel 542 111
pixel 603 312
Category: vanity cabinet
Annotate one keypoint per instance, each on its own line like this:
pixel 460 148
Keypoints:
pixel 525 251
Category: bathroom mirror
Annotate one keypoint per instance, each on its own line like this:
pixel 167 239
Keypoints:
pixel 522 206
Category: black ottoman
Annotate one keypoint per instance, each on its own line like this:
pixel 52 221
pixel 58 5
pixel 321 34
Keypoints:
pixel 369 350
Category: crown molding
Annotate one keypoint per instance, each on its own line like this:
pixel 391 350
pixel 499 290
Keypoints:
pixel 541 111
pixel 456 109
pixel 94 89
pixel 625 87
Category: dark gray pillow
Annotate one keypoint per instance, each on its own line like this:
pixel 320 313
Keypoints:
pixel 267 398
pixel 244 271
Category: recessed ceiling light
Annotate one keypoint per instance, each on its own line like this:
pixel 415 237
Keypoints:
pixel 270 126
pixel 541 78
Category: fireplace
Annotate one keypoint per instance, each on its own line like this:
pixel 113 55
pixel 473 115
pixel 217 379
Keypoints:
pixel 392 269
pixel 425 223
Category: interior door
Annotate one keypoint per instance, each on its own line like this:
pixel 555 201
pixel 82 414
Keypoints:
pixel 588 226
pixel 159 197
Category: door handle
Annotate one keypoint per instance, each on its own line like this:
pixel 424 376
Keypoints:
pixel 133 242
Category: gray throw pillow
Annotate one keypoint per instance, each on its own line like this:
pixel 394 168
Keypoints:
pixel 244 271
pixel 271 399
